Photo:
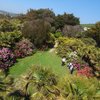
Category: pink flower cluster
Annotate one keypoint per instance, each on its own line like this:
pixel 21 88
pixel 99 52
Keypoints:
pixel 7 58
pixel 77 66
pixel 23 48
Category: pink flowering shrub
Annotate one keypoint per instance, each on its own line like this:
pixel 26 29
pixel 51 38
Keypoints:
pixel 7 58
pixel 23 48
pixel 77 66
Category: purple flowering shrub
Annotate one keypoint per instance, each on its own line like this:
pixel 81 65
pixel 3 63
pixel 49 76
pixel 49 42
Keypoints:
pixel 7 58
pixel 23 48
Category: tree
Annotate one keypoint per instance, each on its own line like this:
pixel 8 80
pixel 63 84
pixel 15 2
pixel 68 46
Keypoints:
pixel 6 26
pixel 66 19
pixel 94 32
pixel 45 14
pixel 37 31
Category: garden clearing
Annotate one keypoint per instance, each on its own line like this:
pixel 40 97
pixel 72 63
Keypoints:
pixel 45 59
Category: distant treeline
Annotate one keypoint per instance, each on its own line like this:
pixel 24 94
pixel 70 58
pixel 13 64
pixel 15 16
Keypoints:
pixel 87 25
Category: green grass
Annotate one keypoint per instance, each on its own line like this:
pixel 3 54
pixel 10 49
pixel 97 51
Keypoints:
pixel 44 59
pixel 87 25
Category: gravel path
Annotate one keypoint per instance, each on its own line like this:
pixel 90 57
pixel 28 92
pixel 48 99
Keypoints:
pixel 55 46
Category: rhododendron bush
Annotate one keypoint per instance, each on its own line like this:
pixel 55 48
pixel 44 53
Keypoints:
pixel 23 48
pixel 7 58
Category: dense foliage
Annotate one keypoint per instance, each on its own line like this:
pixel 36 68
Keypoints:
pixel 45 14
pixel 72 31
pixel 94 32
pixel 20 35
pixel 7 58
pixel 37 31
pixel 8 39
pixel 9 25
pixel 6 26
pixel 23 48
pixel 88 54
pixel 56 22
pixel 42 84
pixel 65 19
pixel 58 34
pixel 89 41
pixel 79 88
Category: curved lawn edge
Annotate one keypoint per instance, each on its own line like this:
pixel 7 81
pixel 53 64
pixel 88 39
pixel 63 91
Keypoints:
pixel 45 59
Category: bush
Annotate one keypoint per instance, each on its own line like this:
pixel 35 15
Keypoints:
pixel 40 83
pixel 8 39
pixel 23 48
pixel 78 88
pixel 89 41
pixel 94 32
pixel 72 31
pixel 37 80
pixel 50 40
pixel 7 58
pixel 66 19
pixel 86 53
pixel 68 45
pixel 9 25
pixel 86 71
pixel 58 34
pixel 6 26
pixel 5 84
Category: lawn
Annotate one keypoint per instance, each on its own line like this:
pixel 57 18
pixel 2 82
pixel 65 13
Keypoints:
pixel 87 25
pixel 45 59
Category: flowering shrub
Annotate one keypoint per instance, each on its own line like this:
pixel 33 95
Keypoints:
pixel 86 71
pixel 7 58
pixel 23 48
pixel 82 68
pixel 86 53
pixel 77 66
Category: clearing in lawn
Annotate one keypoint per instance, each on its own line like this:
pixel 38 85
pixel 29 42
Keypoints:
pixel 45 59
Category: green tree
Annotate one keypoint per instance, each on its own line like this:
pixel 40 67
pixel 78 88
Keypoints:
pixel 45 14
pixel 37 31
pixel 6 26
pixel 66 19
pixel 94 32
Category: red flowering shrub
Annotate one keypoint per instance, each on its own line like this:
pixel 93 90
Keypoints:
pixel 7 58
pixel 23 48
pixel 86 71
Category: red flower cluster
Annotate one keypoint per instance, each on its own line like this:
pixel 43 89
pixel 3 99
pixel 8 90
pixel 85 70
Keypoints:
pixel 86 71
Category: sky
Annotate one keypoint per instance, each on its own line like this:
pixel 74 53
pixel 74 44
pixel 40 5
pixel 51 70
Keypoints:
pixel 87 10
